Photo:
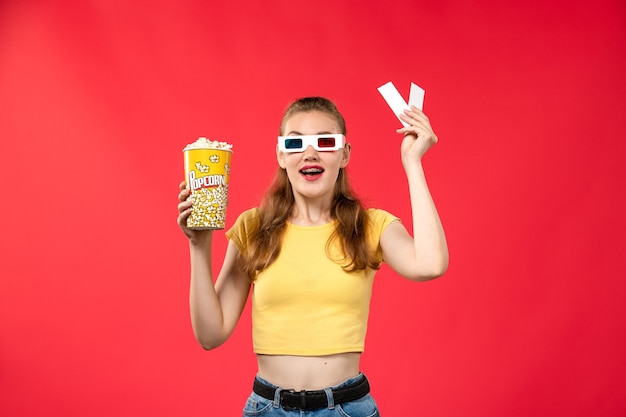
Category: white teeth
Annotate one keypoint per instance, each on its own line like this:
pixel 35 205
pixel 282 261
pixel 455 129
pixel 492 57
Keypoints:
pixel 312 171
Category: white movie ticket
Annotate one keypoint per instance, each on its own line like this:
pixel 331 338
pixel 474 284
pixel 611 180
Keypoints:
pixel 396 102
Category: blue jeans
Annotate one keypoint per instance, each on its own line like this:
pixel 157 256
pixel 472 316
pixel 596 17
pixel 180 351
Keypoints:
pixel 262 407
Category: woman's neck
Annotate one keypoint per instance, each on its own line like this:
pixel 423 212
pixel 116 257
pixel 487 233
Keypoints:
pixel 310 213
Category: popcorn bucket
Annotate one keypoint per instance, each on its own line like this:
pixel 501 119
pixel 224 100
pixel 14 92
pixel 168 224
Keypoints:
pixel 207 173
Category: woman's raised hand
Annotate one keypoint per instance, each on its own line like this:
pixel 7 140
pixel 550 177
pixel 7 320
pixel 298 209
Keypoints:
pixel 418 135
pixel 184 210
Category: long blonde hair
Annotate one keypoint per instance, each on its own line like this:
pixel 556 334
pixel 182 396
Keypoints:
pixel 277 205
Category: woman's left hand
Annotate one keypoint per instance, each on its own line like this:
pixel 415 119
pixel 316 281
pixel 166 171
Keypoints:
pixel 418 135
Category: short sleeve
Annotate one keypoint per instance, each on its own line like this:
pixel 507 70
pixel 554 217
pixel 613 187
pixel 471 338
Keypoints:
pixel 378 222
pixel 240 231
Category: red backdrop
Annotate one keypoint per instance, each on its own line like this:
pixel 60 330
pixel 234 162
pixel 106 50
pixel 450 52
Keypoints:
pixel 98 98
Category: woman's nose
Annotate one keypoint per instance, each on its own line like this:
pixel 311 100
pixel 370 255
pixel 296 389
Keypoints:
pixel 310 153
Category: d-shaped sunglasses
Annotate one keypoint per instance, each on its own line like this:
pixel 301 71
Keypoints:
pixel 319 142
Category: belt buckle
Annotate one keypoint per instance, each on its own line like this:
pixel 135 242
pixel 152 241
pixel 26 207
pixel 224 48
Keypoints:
pixel 302 397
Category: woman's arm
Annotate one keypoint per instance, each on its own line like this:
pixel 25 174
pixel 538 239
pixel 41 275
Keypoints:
pixel 425 255
pixel 215 308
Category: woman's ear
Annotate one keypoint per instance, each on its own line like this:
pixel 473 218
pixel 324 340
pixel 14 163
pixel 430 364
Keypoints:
pixel 280 157
pixel 346 155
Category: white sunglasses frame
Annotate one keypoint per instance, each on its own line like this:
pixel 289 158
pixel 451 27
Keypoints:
pixel 311 140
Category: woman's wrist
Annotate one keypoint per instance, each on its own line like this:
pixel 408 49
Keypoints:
pixel 413 165
pixel 201 240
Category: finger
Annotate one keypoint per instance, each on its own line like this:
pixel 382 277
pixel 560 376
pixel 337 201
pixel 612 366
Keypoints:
pixel 419 112
pixel 182 217
pixel 411 118
pixel 415 119
pixel 182 185
pixel 419 130
pixel 184 205
pixel 415 126
pixel 417 115
pixel 406 131
pixel 184 194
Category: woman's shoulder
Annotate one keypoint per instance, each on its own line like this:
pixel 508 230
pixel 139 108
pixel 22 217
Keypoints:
pixel 377 215
pixel 249 214
pixel 246 222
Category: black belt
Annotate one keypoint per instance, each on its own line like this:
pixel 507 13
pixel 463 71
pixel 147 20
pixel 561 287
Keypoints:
pixel 310 400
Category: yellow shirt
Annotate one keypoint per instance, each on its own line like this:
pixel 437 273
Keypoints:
pixel 304 303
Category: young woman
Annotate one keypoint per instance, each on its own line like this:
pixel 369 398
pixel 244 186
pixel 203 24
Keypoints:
pixel 310 252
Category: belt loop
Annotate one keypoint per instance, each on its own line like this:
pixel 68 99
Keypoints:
pixel 303 399
pixel 330 398
pixel 277 398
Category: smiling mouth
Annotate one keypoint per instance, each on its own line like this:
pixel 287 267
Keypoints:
pixel 311 171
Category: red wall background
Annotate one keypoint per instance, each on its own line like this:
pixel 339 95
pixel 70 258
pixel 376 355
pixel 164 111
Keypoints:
pixel 98 98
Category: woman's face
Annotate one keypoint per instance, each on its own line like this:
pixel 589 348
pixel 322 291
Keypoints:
pixel 312 173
